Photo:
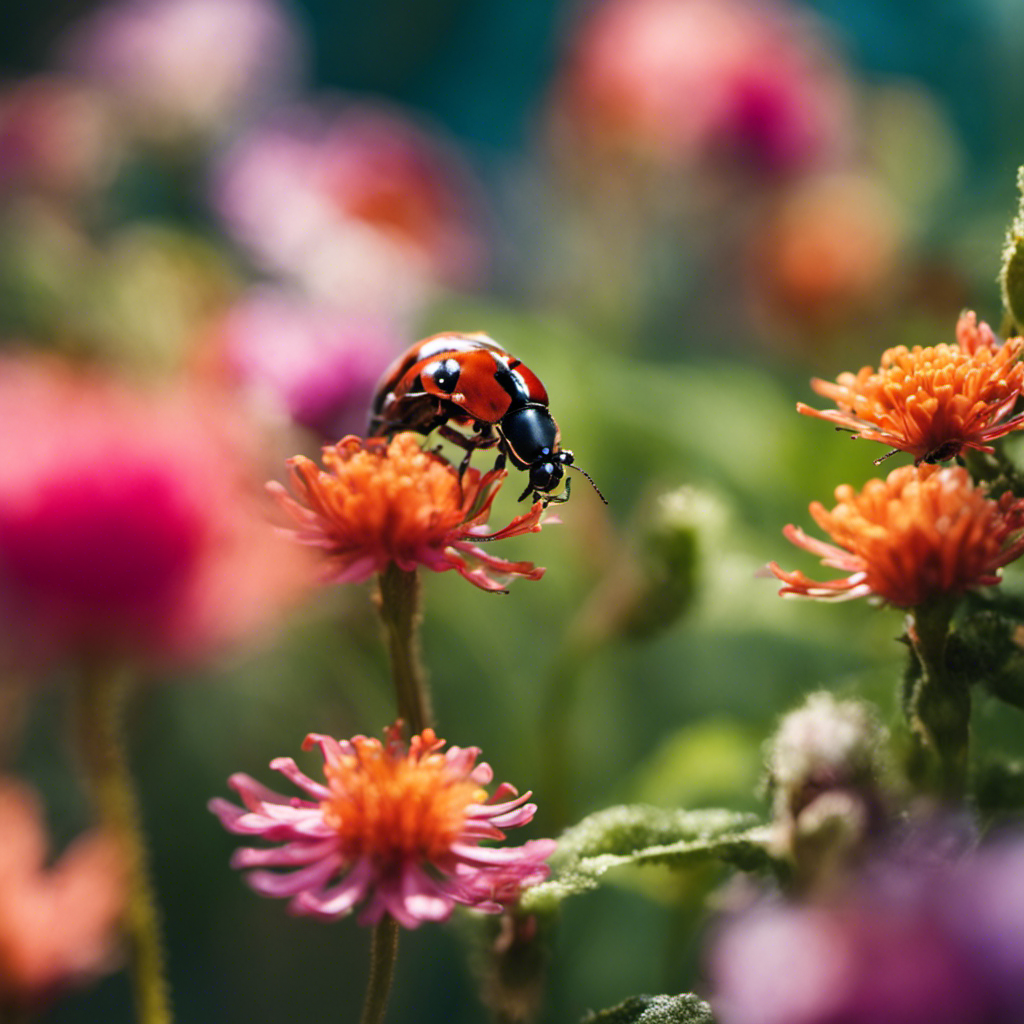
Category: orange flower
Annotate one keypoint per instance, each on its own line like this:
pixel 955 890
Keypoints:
pixel 932 402
pixel 380 502
pixel 921 533
pixel 57 925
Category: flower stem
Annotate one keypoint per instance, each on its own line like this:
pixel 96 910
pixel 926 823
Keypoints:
pixel 398 603
pixel 102 695
pixel 937 706
pixel 383 951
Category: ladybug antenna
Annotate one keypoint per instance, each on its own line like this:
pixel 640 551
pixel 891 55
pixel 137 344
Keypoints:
pixel 572 465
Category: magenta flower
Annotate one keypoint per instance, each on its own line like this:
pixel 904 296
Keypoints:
pixel 396 830
pixel 130 521
pixel 687 83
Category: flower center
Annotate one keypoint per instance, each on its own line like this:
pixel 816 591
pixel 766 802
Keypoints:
pixel 395 806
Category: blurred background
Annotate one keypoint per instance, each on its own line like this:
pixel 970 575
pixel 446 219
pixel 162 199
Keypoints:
pixel 676 212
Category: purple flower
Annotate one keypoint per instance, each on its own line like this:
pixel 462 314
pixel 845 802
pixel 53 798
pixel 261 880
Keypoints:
pixel 397 829
pixel 306 358
pixel 917 940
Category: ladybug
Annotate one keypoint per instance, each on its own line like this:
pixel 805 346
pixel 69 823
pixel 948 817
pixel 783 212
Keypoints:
pixel 469 379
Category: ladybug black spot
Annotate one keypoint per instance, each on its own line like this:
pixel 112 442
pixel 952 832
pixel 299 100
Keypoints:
pixel 445 375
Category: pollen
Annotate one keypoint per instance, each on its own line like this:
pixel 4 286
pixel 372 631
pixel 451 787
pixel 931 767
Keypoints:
pixel 394 806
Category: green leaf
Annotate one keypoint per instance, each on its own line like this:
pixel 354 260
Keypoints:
pixel 684 1009
pixel 1011 276
pixel 640 835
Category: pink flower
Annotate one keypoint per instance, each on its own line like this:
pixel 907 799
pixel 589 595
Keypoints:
pixel 129 521
pixel 58 926
pixel 396 830
pixel 688 82
pixel 305 358
pixel 356 203
pixel 184 67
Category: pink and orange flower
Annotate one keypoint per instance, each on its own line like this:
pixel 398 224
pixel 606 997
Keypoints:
pixel 923 533
pixel 933 402
pixel 58 925
pixel 380 502
pixel 397 829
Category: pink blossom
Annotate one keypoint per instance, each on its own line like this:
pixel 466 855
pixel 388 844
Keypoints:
pixel 182 67
pixel 687 82
pixel 397 829
pixel 356 203
pixel 129 521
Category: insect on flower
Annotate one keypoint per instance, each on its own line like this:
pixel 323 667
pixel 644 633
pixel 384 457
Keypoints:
pixel 469 379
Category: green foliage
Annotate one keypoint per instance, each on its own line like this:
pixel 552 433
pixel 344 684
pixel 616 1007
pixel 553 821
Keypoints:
pixel 639 835
pixel 684 1009
pixel 1011 276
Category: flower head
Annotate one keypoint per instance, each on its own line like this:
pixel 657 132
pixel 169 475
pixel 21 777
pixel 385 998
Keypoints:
pixel 921 533
pixel 687 83
pixel 129 521
pixel 186 67
pixel 382 501
pixel 396 829
pixel 356 203
pixel 916 940
pixel 932 402
pixel 304 358
pixel 59 925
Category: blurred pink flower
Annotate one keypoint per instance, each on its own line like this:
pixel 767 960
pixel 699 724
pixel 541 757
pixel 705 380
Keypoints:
pixel 57 136
pixel 186 67
pixel 691 82
pixel 305 358
pixel 355 202
pixel 58 926
pixel 396 829
pixel 129 521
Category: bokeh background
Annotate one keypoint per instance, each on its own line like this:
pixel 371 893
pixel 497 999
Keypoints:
pixel 676 214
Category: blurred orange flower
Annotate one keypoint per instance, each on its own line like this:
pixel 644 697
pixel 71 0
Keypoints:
pixel 922 533
pixel 932 402
pixel 130 522
pixel 57 926
pixel 381 502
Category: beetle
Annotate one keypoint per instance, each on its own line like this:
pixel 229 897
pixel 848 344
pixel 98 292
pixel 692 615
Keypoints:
pixel 469 379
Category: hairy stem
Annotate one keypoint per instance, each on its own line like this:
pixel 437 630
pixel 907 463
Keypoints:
pixel 938 707
pixel 102 695
pixel 398 603
pixel 383 952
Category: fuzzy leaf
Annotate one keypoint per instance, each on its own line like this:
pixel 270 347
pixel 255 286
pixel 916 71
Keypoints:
pixel 639 835
pixel 684 1009
pixel 1011 276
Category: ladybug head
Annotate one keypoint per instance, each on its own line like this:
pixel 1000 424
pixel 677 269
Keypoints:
pixel 546 475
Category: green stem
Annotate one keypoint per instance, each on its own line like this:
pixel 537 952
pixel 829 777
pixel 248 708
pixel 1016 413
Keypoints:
pixel 102 696
pixel 399 603
pixel 383 951
pixel 938 707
